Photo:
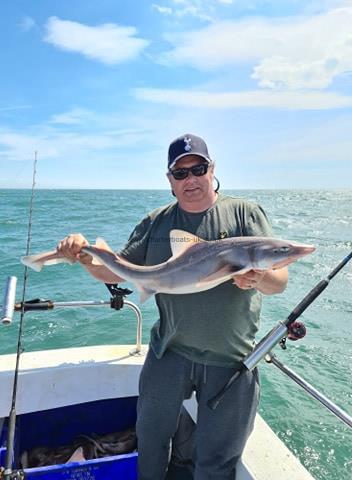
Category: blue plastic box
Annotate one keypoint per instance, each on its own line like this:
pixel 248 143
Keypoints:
pixel 121 467
pixel 60 426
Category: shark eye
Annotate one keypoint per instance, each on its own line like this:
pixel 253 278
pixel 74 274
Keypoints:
pixel 282 250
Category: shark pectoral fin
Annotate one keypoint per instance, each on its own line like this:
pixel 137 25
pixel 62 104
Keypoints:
pixel 145 293
pixel 100 244
pixel 223 272
pixel 180 241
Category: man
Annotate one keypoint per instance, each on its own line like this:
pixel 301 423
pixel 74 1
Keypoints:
pixel 200 339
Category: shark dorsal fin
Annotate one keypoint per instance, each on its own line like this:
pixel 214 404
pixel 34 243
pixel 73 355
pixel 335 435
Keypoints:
pixel 180 241
pixel 101 243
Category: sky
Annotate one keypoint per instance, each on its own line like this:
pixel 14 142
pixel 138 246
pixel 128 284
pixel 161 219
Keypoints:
pixel 99 89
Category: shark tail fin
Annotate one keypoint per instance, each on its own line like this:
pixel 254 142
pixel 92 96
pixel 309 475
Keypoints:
pixel 37 262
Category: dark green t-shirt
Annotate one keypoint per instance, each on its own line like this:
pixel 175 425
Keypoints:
pixel 217 326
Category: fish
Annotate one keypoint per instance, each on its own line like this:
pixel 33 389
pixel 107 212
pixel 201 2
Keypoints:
pixel 110 444
pixel 84 447
pixel 195 265
pixel 44 456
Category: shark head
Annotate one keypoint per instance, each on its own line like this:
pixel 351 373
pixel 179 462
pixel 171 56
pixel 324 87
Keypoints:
pixel 275 253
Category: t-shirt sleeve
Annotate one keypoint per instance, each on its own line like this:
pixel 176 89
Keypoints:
pixel 136 247
pixel 257 223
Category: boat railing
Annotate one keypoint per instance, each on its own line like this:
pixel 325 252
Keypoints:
pixel 312 391
pixel 10 306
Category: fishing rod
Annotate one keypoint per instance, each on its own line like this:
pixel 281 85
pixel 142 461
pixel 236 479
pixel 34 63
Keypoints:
pixel 287 328
pixel 8 302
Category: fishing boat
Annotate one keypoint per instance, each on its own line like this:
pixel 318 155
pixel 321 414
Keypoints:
pixel 73 391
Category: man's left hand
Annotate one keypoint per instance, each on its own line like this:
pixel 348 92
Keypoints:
pixel 249 280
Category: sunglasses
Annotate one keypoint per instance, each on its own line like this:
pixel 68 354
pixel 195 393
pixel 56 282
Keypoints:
pixel 196 170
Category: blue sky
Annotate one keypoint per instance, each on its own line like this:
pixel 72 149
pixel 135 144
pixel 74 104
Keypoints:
pixel 100 88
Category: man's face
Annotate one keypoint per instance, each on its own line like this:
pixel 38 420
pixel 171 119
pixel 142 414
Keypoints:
pixel 192 189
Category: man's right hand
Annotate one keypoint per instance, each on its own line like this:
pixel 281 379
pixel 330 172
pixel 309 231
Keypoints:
pixel 71 246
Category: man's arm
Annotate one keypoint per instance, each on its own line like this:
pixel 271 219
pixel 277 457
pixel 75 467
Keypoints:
pixel 267 281
pixel 100 272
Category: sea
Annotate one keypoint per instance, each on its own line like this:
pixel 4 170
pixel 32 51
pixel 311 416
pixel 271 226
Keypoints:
pixel 322 442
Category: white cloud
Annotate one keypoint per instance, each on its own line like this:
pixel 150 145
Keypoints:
pixel 73 117
pixel 108 43
pixel 161 9
pixel 53 144
pixel 295 52
pixel 19 146
pixel 191 8
pixel 284 100
pixel 78 133
pixel 179 9
pixel 280 72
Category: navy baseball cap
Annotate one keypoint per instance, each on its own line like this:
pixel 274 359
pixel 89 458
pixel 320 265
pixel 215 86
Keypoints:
pixel 187 144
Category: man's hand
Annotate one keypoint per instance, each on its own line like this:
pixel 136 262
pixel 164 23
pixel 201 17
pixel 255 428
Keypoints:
pixel 248 280
pixel 71 247
pixel 268 282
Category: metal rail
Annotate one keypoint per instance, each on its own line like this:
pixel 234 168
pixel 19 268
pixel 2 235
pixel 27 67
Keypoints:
pixel 313 392
pixel 49 305
pixel 99 303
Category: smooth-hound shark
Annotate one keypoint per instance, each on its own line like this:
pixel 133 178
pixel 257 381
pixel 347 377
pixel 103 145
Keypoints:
pixel 195 264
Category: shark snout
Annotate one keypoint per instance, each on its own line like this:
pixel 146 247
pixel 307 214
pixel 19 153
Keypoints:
pixel 297 251
pixel 307 249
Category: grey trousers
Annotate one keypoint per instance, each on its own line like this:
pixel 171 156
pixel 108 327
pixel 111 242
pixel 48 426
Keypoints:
pixel 221 434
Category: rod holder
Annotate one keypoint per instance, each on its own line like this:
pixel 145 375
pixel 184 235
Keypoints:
pixel 265 345
pixel 8 305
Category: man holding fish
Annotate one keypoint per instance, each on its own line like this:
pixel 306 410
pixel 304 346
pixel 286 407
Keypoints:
pixel 208 294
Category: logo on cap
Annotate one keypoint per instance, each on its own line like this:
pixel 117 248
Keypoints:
pixel 187 141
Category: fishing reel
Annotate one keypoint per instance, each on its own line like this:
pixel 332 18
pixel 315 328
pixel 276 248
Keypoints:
pixel 295 331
